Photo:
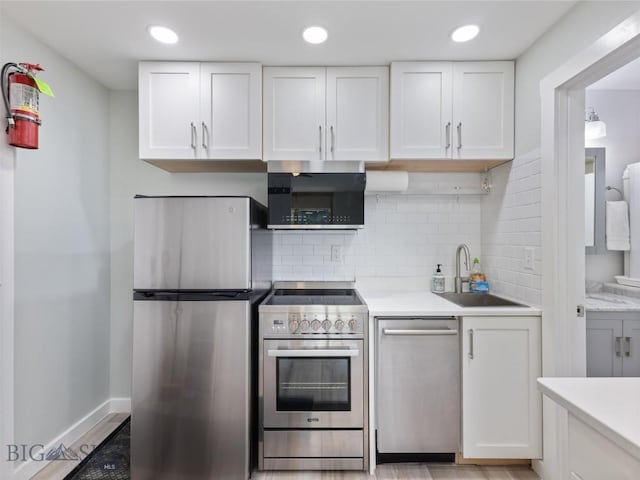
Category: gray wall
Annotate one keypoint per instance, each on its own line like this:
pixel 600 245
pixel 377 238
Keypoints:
pixel 61 250
pixel 131 176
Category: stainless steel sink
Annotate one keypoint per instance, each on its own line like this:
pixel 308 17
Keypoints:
pixel 478 300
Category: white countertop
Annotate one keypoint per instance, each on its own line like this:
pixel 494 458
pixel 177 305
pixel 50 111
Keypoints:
pixel 609 405
pixel 611 302
pixel 395 298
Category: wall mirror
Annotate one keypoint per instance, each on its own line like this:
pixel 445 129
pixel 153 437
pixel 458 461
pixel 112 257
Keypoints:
pixel 594 200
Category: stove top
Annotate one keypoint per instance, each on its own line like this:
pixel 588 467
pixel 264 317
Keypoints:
pixel 314 296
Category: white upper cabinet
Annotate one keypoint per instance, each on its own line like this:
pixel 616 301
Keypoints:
pixel 357 113
pixel 231 110
pixel 169 109
pixel 483 110
pixel 294 113
pixel 501 405
pixel 317 113
pixel 452 110
pixel 421 109
pixel 191 110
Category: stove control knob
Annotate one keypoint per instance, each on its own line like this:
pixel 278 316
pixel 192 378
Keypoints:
pixel 353 324
pixel 293 325
pixel 304 325
pixel 339 325
pixel 315 324
pixel 326 325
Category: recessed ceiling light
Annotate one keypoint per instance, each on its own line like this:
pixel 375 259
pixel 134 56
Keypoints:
pixel 465 33
pixel 163 34
pixel 315 35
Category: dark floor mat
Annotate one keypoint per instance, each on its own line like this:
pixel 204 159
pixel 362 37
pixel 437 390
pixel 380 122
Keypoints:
pixel 110 460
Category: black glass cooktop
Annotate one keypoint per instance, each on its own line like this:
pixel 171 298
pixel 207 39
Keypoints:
pixel 314 297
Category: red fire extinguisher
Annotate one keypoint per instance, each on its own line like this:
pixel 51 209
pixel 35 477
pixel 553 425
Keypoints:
pixel 20 92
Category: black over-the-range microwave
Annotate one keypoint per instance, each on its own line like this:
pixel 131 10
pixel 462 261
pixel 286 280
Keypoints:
pixel 316 200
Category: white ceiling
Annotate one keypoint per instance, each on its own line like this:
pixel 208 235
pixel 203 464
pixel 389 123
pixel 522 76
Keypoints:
pixel 107 38
pixel 625 78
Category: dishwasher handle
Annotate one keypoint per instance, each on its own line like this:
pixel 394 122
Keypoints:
pixel 433 331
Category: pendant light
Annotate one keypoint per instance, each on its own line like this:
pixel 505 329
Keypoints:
pixel 594 127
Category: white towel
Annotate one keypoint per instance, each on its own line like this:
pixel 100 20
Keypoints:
pixel 618 226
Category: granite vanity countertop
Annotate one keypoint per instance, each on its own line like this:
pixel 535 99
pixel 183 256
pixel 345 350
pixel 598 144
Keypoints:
pixel 611 302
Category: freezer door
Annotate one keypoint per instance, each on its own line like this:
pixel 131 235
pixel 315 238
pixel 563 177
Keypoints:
pixel 184 243
pixel 191 391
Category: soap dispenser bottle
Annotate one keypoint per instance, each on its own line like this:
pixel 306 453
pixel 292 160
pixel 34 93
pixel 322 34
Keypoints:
pixel 437 283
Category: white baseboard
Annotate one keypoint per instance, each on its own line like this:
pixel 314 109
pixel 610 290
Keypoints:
pixel 120 405
pixel 29 468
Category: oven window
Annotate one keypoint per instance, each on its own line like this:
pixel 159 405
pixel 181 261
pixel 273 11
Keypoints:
pixel 313 384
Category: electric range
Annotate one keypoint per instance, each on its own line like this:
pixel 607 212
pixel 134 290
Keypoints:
pixel 313 378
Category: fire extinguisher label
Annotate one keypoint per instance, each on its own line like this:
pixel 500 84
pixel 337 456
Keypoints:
pixel 24 97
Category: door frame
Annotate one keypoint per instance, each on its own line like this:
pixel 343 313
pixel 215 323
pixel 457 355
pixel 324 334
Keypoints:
pixel 562 150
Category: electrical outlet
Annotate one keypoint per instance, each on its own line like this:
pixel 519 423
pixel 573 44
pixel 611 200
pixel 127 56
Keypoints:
pixel 528 258
pixel 336 253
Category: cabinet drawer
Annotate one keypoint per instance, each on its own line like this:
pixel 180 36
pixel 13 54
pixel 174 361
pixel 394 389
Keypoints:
pixel 594 457
pixel 323 443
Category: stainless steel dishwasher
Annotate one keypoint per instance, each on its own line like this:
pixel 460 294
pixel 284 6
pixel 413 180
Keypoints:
pixel 418 385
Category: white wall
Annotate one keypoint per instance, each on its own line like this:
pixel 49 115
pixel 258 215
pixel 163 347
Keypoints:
pixel 404 236
pixel 574 32
pixel 61 250
pixel 131 176
pixel 517 189
pixel 620 110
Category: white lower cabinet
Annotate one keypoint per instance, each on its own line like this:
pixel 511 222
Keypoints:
pixel 501 406
pixel 594 457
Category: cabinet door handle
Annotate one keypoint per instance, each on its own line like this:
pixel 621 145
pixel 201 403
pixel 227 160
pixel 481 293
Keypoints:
pixel 459 129
pixel 618 352
pixel 627 352
pixel 194 136
pixel 332 138
pixel 447 133
pixel 320 138
pixel 470 354
pixel 205 136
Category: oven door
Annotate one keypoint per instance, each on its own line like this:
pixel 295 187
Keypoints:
pixel 313 384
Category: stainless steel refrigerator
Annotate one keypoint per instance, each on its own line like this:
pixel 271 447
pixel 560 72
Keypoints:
pixel 201 266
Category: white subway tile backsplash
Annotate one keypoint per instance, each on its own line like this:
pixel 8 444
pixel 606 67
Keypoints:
pixel 404 235
pixel 511 220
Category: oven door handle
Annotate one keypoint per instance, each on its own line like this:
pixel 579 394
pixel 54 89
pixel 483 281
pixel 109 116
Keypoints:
pixel 313 352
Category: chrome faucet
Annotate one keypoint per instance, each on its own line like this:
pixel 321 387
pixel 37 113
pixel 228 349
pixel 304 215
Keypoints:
pixel 467 260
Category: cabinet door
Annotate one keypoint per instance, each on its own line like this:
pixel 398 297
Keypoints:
pixel 168 109
pixel 631 348
pixel 592 456
pixel 294 113
pixel 421 107
pixel 483 111
pixel 604 348
pixel 231 106
pixel 501 406
pixel 358 114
